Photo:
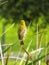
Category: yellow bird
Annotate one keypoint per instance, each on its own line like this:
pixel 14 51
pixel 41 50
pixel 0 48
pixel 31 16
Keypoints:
pixel 22 32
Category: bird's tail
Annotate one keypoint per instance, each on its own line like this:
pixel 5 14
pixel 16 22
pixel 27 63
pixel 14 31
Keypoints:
pixel 21 43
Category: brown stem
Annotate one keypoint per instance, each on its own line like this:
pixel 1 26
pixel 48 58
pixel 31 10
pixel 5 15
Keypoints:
pixel 27 53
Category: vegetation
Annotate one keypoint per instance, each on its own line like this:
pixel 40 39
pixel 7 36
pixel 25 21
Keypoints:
pixel 33 12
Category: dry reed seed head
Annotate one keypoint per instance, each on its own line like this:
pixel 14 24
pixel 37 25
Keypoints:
pixel 47 62
pixel 22 22
pixel 8 52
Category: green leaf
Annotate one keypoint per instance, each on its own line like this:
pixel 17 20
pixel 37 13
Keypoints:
pixel 30 63
pixel 27 61
pixel 7 60
pixel 40 58
pixel 6 49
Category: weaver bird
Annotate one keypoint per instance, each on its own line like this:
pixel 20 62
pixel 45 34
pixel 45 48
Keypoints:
pixel 22 32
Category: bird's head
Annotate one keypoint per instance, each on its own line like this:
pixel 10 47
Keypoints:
pixel 22 22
